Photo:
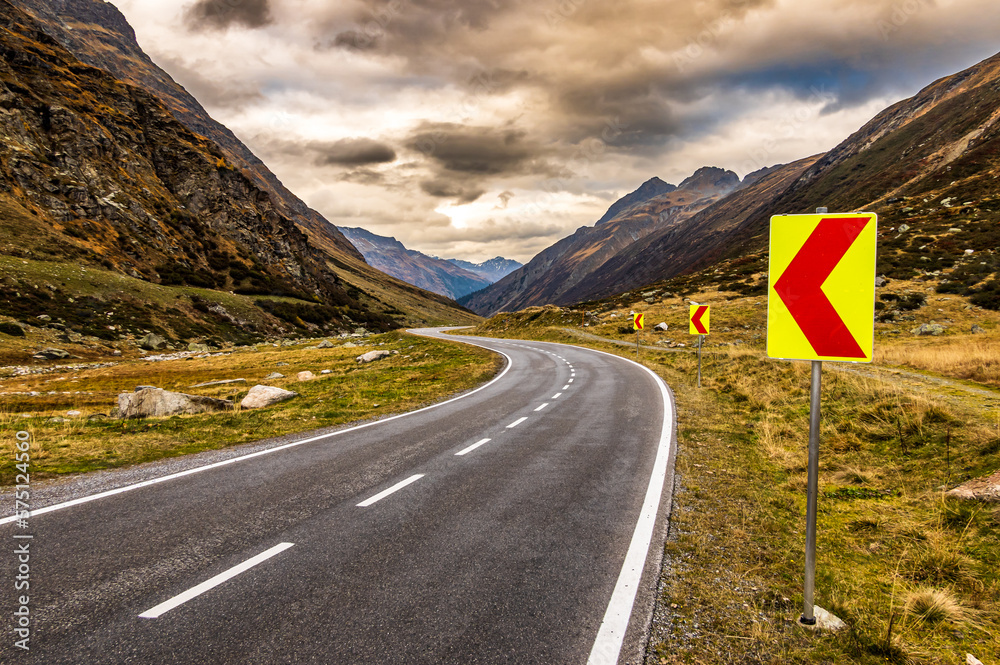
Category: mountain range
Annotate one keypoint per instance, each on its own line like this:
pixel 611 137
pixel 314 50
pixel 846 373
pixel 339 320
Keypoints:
pixel 449 277
pixel 927 162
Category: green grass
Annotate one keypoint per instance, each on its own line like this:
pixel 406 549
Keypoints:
pixel 422 372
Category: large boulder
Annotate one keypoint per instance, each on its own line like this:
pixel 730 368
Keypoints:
pixel 261 396
pixel 372 356
pixel 152 342
pixel 154 402
pixel 51 354
pixel 199 347
pixel 928 329
pixel 305 375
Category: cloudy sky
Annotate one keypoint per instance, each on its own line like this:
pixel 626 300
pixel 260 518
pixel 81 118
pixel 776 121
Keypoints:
pixel 495 127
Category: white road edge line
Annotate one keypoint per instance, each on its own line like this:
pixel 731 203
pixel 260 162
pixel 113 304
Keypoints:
pixel 542 406
pixel 395 488
pixel 517 422
pixel 611 635
pixel 259 453
pixel 213 582
pixel 471 448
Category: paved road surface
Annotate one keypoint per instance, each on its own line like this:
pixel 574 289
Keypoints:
pixel 492 528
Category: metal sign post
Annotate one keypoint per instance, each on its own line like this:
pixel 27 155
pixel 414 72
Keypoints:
pixel 700 338
pixel 820 306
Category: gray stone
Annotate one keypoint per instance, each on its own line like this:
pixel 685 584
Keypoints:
pixel 138 388
pixel 349 345
pixel 155 402
pixel 976 329
pixel 903 228
pixel 305 376
pixel 44 317
pixel 51 354
pixel 74 413
pixel 979 489
pixel 152 342
pixel 325 344
pixel 280 364
pixel 262 396
pixel 327 371
pixel 880 281
pixel 928 329
pixel 372 356
pixel 275 375
pixel 661 326
pixel 198 347
pixel 360 331
pixel 825 621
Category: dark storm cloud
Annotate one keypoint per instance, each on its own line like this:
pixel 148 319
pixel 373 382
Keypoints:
pixel 353 152
pixel 479 150
pixel 451 188
pixel 224 14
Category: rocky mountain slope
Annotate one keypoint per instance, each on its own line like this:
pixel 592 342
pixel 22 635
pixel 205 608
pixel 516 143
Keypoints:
pixel 413 267
pixel 99 35
pixel 493 270
pixel 927 165
pixel 97 173
pixel 556 272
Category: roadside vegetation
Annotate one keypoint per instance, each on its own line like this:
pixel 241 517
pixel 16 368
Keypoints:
pixel 914 573
pixel 423 371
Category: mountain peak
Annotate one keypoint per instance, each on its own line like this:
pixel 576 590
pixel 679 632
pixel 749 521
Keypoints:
pixel 647 190
pixel 710 178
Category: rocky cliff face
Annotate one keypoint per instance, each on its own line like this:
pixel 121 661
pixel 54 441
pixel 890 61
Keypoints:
pixel 392 257
pixel 556 272
pixel 99 35
pixel 106 176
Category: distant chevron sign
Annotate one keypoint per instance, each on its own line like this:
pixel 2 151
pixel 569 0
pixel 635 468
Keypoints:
pixel 821 293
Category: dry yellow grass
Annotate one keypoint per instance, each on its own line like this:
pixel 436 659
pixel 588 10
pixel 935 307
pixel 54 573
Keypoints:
pixel 975 358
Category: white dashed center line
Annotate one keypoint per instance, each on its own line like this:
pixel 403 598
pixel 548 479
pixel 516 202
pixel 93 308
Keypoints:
pixel 471 448
pixel 395 488
pixel 208 584
pixel 557 396
pixel 542 406
pixel 566 387
pixel 517 422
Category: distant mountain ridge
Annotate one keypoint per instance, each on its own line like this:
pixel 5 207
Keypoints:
pixel 563 268
pixel 493 269
pixel 392 257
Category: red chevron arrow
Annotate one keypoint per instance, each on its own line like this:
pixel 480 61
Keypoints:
pixel 696 319
pixel 800 286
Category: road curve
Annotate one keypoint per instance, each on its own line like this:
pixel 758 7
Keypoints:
pixel 513 524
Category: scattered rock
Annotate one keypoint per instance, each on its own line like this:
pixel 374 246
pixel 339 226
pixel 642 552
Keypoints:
pixel 51 354
pixel 372 356
pixel 880 281
pixel 12 329
pixel 280 364
pixel 44 317
pixel 825 621
pixel 979 489
pixel 198 347
pixel 74 414
pixel 903 228
pixel 661 326
pixel 970 252
pixel 305 376
pixel 154 402
pixel 152 342
pixel 360 331
pixel 116 353
pixel 976 329
pixel 218 382
pixel 928 329
pixel 262 396
pixel 138 388
pixel 327 371
pixel 972 660
pixel 56 420
pixel 274 375
pixel 325 344
pixel 349 345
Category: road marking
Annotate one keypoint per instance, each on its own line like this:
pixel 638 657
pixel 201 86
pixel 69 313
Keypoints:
pixel 517 422
pixel 233 460
pixel 542 407
pixel 395 488
pixel 608 644
pixel 557 396
pixel 213 582
pixel 566 387
pixel 471 448
pixel 569 382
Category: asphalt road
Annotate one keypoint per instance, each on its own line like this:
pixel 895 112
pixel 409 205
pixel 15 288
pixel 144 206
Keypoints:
pixel 514 524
